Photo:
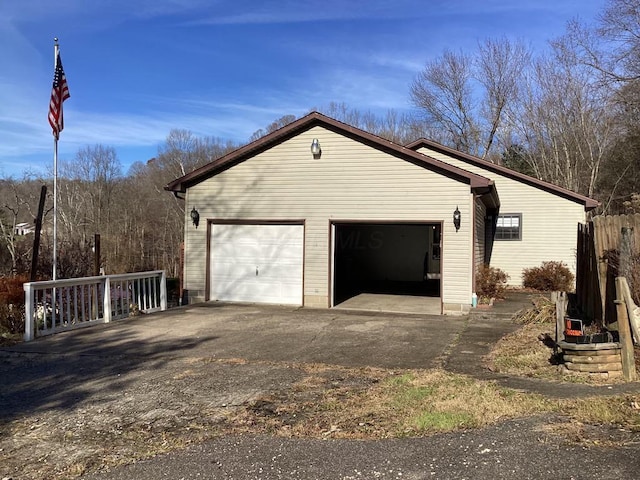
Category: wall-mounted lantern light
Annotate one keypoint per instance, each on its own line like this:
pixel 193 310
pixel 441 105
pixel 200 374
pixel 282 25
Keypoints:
pixel 456 219
pixel 315 148
pixel 195 217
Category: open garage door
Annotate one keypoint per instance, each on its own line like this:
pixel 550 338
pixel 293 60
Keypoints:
pixel 256 263
pixel 386 258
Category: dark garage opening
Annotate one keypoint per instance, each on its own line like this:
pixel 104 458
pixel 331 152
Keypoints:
pixel 389 258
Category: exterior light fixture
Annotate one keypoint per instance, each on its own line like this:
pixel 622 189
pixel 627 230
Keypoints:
pixel 456 219
pixel 195 217
pixel 315 148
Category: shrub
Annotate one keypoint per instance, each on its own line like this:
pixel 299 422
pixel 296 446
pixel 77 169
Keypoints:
pixel 173 292
pixel 491 282
pixel 548 277
pixel 12 305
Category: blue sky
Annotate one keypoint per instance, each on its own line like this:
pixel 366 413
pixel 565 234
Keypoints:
pixel 138 68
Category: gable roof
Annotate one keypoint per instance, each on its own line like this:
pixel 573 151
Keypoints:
pixel 478 184
pixel 589 203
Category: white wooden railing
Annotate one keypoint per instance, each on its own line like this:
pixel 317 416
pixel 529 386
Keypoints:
pixel 54 306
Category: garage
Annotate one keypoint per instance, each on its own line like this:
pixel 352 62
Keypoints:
pixel 319 211
pixel 386 258
pixel 256 263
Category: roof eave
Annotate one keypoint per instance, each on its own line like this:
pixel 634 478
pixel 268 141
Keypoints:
pixel 489 194
pixel 589 203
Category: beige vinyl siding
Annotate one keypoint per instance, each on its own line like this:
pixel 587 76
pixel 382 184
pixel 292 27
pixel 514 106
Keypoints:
pixel 549 222
pixel 350 181
pixel 479 240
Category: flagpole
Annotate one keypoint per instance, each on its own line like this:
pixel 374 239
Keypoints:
pixel 59 93
pixel 55 179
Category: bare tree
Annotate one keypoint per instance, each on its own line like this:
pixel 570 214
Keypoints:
pixel 398 127
pixel 96 170
pixel 179 155
pixel 500 66
pixel 17 199
pixel 8 222
pixel 444 91
pixel 613 46
pixel 88 188
pixel 620 181
pixel 183 152
pixel 563 122
pixel 75 216
pixel 272 127
pixel 467 96
pixel 341 111
pixel 611 49
pixel 620 25
pixel 154 217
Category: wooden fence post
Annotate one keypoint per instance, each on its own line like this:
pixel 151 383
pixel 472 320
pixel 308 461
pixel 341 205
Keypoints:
pixel 624 329
pixel 626 251
pixel 631 312
pixel 561 308
pixel 96 254
pixel 36 237
pixel 600 247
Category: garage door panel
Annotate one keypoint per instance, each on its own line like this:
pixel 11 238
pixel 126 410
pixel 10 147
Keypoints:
pixel 259 269
pixel 283 272
pixel 291 257
pixel 257 263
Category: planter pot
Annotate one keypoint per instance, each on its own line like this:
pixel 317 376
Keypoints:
pixel 590 338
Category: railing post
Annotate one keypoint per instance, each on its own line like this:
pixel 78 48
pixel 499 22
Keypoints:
pixel 106 300
pixel 163 291
pixel 561 310
pixel 29 302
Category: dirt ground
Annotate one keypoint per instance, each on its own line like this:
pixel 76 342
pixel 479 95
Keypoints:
pixel 126 414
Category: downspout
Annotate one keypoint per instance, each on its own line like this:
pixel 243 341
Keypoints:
pixel 473 243
pixel 474 199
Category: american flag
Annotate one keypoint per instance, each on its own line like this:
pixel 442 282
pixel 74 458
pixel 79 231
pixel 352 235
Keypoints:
pixel 59 93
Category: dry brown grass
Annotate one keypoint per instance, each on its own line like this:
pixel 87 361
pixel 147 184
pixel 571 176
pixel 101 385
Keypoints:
pixel 543 310
pixel 620 410
pixel 522 353
pixel 386 404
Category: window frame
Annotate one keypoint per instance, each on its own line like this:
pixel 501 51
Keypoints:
pixel 511 237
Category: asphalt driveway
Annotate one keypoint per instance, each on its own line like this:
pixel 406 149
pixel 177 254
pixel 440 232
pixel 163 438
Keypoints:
pixel 266 333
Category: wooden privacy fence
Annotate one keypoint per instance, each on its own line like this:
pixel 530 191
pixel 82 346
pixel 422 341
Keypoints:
pixel 600 245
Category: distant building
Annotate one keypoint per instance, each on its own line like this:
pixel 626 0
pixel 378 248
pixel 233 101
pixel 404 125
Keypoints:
pixel 24 228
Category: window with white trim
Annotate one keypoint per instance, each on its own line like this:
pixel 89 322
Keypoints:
pixel 509 227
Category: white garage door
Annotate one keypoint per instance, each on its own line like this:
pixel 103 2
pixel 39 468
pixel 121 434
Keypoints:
pixel 257 263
